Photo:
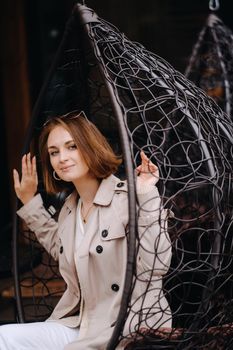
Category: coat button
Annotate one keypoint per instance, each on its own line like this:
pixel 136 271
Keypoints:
pixel 120 184
pixel 61 249
pixel 104 233
pixel 99 249
pixel 115 287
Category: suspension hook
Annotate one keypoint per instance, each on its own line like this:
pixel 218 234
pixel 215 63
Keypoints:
pixel 214 5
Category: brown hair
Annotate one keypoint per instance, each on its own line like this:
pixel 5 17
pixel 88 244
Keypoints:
pixel 93 146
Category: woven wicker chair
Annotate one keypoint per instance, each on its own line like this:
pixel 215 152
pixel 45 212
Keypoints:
pixel 134 96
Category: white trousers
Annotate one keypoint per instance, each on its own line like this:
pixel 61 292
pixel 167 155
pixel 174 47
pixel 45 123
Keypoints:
pixel 36 336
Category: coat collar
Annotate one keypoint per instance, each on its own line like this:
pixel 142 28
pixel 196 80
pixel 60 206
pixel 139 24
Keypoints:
pixel 71 201
pixel 104 194
pixel 106 191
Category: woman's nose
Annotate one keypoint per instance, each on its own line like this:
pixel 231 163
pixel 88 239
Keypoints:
pixel 63 156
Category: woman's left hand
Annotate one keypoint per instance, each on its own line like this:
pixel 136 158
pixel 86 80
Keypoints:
pixel 148 172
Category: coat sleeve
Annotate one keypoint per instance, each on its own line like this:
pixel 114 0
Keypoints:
pixel 154 251
pixel 39 221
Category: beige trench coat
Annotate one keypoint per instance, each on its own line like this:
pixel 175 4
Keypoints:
pixel 94 274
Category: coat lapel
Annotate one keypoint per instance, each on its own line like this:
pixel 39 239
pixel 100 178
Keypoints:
pixel 102 199
pixel 67 228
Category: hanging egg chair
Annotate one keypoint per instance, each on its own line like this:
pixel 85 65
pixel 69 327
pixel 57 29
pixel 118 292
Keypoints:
pixel 135 96
pixel 211 63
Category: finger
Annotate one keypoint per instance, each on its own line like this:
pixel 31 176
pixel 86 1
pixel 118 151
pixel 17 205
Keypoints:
pixel 152 167
pixel 16 179
pixel 148 162
pixel 24 165
pixel 138 169
pixel 144 161
pixel 34 169
pixel 147 166
pixel 142 153
pixel 29 163
pixel 155 173
pixel 144 157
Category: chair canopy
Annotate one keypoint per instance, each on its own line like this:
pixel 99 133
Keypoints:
pixel 135 96
pixel 211 62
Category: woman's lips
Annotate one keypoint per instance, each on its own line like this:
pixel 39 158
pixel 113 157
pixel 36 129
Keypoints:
pixel 66 168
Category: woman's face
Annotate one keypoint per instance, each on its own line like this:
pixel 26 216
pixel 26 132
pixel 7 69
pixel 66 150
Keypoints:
pixel 65 158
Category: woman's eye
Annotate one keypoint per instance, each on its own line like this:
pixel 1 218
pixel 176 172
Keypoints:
pixel 53 153
pixel 73 146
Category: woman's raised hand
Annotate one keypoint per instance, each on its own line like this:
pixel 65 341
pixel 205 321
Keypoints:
pixel 26 188
pixel 148 172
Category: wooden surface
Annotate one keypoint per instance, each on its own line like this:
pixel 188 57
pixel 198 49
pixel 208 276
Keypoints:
pixel 39 289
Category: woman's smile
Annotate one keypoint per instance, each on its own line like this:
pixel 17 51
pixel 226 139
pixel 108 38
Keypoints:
pixel 67 168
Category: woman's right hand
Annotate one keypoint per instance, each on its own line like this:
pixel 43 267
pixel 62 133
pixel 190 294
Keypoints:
pixel 26 188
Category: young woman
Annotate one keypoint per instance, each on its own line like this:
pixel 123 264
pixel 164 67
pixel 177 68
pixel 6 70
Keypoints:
pixel 89 240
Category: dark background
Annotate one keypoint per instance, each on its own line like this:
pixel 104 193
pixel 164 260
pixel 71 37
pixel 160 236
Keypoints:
pixel 30 32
